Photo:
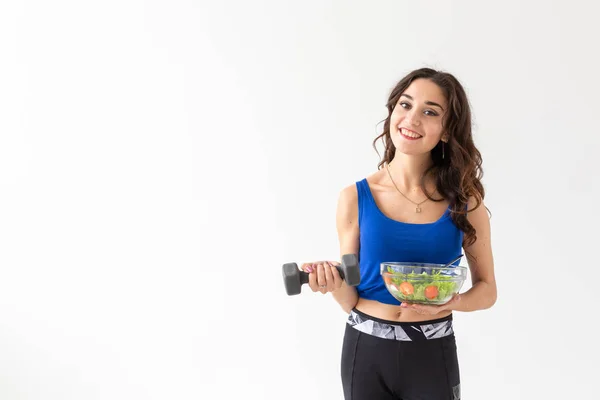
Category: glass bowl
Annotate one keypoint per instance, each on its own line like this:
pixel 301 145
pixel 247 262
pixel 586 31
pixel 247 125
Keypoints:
pixel 422 283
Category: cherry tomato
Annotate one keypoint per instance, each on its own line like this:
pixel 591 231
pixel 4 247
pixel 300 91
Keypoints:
pixel 407 288
pixel 431 292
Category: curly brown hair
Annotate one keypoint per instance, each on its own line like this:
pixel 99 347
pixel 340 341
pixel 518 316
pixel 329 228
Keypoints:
pixel 458 174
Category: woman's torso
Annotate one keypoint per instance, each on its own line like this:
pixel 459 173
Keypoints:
pixel 391 230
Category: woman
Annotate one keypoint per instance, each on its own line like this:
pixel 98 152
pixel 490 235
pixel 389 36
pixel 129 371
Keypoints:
pixel 424 204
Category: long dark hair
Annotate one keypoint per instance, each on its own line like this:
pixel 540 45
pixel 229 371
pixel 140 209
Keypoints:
pixel 458 175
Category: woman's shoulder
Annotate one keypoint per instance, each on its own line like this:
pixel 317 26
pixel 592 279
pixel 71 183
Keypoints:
pixel 350 191
pixel 348 194
pixel 476 209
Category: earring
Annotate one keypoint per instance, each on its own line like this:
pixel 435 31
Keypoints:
pixel 443 155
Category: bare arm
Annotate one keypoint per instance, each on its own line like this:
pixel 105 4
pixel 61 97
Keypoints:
pixel 348 236
pixel 483 293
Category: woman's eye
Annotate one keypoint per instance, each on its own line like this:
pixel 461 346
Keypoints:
pixel 407 106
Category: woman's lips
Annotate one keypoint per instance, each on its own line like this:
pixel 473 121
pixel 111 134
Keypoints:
pixel 408 134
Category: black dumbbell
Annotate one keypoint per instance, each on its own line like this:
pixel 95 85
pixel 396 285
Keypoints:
pixel 294 278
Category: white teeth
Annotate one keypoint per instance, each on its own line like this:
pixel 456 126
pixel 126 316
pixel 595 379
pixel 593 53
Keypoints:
pixel 409 133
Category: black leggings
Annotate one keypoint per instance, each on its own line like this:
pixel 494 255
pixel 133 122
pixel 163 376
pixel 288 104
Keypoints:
pixel 384 360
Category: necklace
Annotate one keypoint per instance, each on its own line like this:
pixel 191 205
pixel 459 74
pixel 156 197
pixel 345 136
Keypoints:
pixel 418 209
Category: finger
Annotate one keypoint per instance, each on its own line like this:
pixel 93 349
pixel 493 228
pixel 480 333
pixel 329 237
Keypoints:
pixel 321 279
pixel 329 277
pixel 337 279
pixel 414 307
pixel 306 267
pixel 417 309
pixel 429 310
pixel 312 281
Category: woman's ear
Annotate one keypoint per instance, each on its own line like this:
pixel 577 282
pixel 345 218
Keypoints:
pixel 445 138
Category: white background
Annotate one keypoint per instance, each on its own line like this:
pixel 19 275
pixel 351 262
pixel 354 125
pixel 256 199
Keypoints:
pixel 160 161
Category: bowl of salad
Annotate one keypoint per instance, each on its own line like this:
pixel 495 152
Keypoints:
pixel 422 283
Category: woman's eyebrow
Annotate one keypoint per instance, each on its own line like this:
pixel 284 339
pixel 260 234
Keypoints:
pixel 430 103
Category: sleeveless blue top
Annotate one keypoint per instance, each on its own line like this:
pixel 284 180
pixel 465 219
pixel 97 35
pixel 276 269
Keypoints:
pixel 383 239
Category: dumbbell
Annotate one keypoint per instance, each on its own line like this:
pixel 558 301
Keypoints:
pixel 294 278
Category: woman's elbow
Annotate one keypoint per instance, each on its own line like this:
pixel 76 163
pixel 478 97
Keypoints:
pixel 492 295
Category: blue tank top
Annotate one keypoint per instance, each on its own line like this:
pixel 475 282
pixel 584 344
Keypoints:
pixel 383 239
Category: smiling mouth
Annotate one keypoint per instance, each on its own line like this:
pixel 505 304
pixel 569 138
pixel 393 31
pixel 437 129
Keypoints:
pixel 409 134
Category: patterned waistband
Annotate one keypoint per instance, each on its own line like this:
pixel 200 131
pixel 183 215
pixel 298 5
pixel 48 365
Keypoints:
pixel 405 331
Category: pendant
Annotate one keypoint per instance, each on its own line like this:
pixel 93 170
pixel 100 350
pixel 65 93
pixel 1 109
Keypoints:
pixel 418 209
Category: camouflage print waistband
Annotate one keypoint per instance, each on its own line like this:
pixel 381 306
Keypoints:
pixel 404 331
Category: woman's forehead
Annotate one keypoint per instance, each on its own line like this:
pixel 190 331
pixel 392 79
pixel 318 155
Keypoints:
pixel 423 90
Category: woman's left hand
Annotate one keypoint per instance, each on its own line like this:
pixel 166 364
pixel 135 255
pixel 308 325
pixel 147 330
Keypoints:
pixel 431 310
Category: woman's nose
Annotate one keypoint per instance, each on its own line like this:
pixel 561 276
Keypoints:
pixel 413 118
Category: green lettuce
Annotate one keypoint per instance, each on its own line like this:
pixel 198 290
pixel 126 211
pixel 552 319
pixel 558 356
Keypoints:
pixel 446 286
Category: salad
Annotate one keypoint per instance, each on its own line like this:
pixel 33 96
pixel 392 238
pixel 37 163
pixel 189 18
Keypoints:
pixel 434 288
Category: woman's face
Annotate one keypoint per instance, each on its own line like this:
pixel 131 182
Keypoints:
pixel 416 122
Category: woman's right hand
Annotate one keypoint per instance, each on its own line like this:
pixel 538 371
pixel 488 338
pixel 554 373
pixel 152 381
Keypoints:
pixel 323 276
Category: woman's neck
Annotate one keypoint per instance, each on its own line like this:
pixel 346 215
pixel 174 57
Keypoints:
pixel 407 170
